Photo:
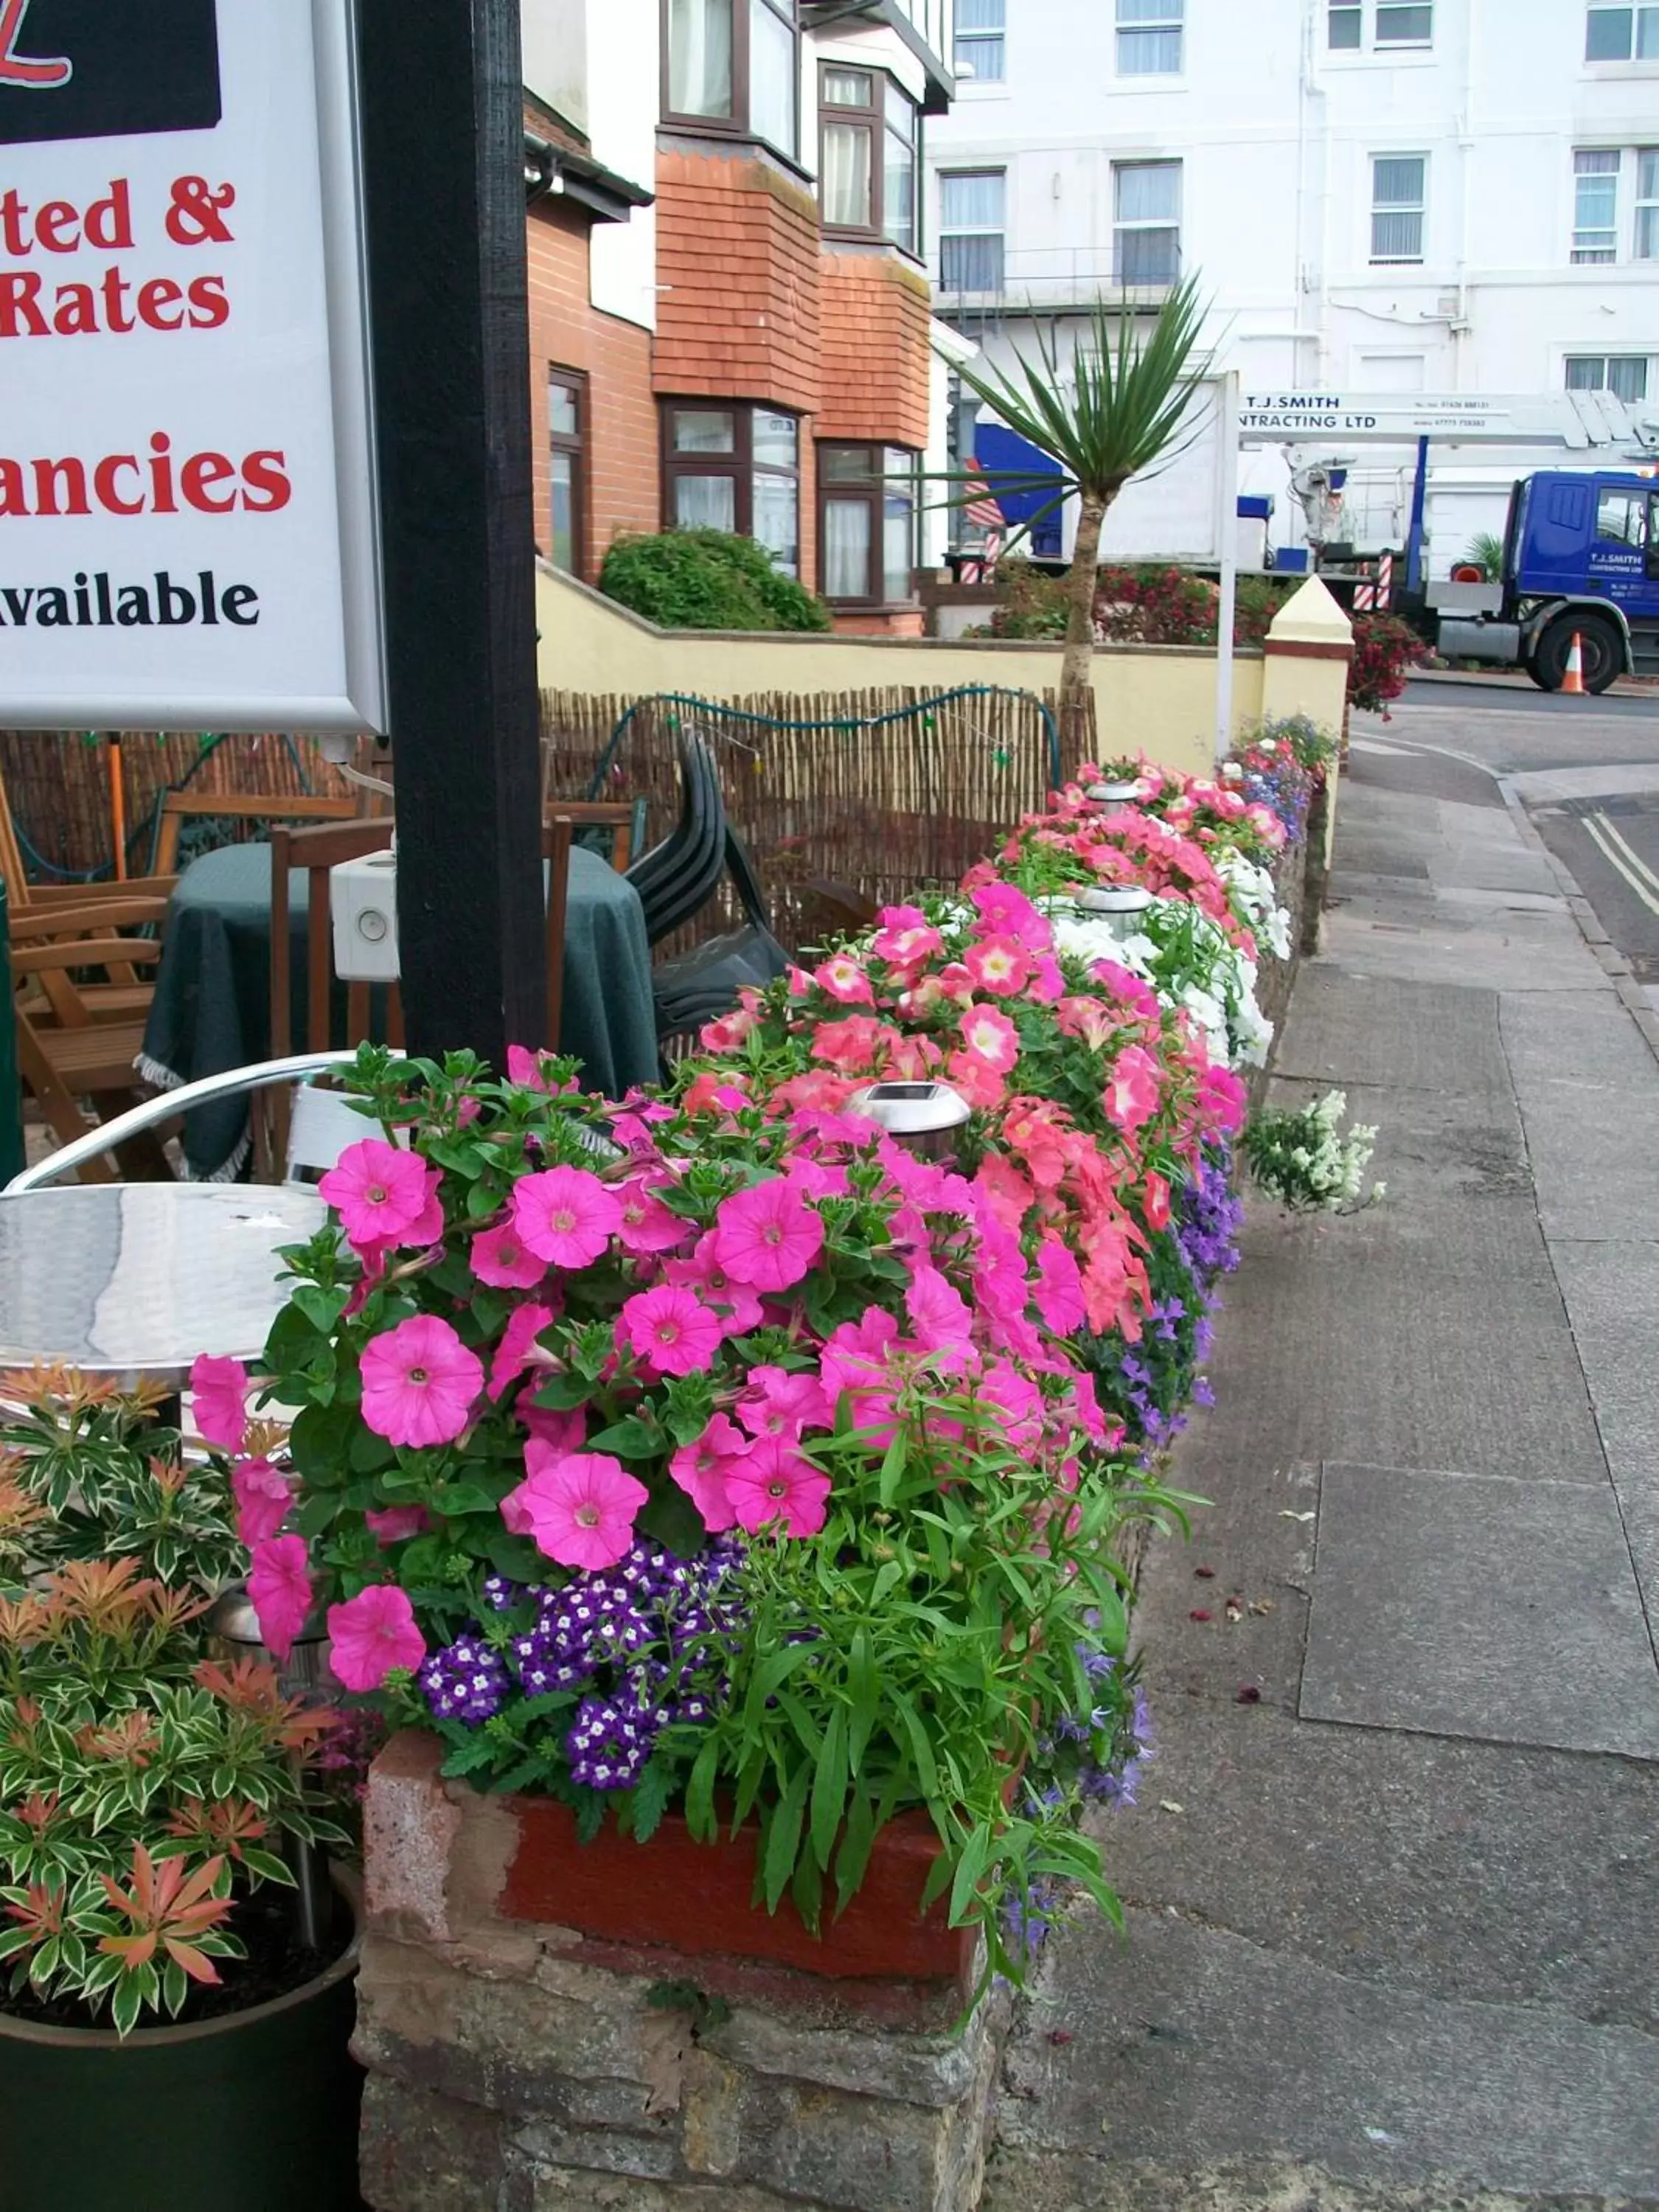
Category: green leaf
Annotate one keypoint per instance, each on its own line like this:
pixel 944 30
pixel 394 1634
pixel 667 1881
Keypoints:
pixel 700 1793
pixel 783 1838
pixel 858 1836
pixel 632 1438
pixel 675 1522
pixel 319 1442
pixel 892 1470
pixel 829 1787
pixel 368 1453
pixel 321 1308
pixel 971 1868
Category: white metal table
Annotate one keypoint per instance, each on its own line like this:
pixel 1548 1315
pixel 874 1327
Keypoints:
pixel 135 1280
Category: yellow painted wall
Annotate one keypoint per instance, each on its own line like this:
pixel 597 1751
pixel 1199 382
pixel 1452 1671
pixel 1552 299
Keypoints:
pixel 1159 699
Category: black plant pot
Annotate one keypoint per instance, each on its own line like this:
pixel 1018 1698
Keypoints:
pixel 253 2112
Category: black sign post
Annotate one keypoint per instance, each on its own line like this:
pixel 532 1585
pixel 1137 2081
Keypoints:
pixel 443 149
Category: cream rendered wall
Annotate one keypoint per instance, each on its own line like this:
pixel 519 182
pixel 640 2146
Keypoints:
pixel 1160 699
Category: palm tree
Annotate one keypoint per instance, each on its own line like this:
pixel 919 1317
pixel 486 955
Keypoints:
pixel 1122 407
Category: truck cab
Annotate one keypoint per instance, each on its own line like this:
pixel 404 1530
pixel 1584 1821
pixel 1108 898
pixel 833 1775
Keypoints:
pixel 1581 559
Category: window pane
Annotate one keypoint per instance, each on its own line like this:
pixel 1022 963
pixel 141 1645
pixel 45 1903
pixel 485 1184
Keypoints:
pixel 706 502
pixel 700 56
pixel 1398 182
pixel 1147 256
pixel 1149 53
pixel 1647 174
pixel 1149 11
pixel 1347 28
pixel 772 87
pixel 1608 35
pixel 1647 34
pixel 970 265
pixel 1647 234
pixel 777 439
pixel 1147 191
pixel 1405 27
pixel 972 202
pixel 848 88
pixel 1587 371
pixel 844 185
pixel 777 521
pixel 1396 237
pixel 981 16
pixel 1621 516
pixel 986 58
pixel 563 418
pixel 844 464
pixel 898 543
pixel 562 550
pixel 846 548
pixel 899 190
pixel 704 430
pixel 1595 218
pixel 1627 377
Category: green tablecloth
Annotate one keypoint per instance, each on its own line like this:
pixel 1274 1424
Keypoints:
pixel 212 1005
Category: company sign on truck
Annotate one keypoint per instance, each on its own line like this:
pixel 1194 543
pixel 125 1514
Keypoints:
pixel 187 520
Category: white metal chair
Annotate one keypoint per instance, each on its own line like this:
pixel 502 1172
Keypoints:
pixel 320 1127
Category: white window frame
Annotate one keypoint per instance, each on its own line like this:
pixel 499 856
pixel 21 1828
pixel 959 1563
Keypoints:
pixel 1645 233
pixel 1353 16
pixel 948 231
pixel 1138 19
pixel 1594 244
pixel 1369 18
pixel 975 39
pixel 1136 226
pixel 1642 16
pixel 1414 45
pixel 1379 209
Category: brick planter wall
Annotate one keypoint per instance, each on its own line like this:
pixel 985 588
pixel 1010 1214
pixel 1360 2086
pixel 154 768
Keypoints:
pixel 526 2065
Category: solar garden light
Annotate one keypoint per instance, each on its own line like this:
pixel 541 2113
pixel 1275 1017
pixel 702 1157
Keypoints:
pixel 923 1117
pixel 1232 772
pixel 234 1624
pixel 1118 794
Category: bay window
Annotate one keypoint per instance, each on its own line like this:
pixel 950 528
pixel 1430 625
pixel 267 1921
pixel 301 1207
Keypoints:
pixel 869 139
pixel 734 65
pixel 868 506
pixel 735 468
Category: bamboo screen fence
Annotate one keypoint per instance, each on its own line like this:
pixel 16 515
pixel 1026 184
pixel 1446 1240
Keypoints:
pixel 911 804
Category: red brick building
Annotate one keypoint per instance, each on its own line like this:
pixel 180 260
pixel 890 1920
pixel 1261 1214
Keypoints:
pixel 788 389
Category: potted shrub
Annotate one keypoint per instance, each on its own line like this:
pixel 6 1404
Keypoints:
pixel 165 2039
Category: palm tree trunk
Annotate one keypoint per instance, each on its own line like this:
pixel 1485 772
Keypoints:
pixel 1080 629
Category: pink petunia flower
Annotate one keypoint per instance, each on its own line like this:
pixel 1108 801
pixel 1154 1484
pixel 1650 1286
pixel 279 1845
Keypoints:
pixel 939 1315
pixel 774 1482
pixel 1136 1085
pixel 373 1635
pixel 647 1226
pixel 420 1383
pixel 844 979
pixel 700 1470
pixel 565 1215
pixel 991 1037
pixel 379 1192
pixel 219 1394
pixel 1060 1288
pixel 279 1588
pixel 525 1068
pixel 856 1363
pixel 562 1428
pixel 712 1092
pixel 395 1525
pixel 671 1329
pixel 581 1509
pixel 735 1302
pixel 1155 1207
pixel 778 1403
pixel 728 1032
pixel 1222 1101
pixel 1000 965
pixel 263 1496
pixel 768 1237
pixel 1004 911
pixel 977 1080
pixel 517 1349
pixel 500 1258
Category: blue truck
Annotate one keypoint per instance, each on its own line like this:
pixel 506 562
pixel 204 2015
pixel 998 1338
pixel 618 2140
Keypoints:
pixel 1581 557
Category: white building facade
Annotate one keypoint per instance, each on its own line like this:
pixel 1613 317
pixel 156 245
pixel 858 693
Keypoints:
pixel 1452 196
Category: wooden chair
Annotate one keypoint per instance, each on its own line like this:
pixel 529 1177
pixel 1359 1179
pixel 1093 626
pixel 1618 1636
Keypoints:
pixel 316 851
pixel 626 817
pixel 64 1053
pixel 179 806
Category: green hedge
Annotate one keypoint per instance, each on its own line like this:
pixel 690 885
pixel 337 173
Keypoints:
pixel 707 580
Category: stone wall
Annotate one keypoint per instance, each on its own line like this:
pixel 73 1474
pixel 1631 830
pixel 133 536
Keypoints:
pixel 522 2067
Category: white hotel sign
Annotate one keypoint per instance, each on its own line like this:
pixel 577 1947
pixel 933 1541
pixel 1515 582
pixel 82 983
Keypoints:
pixel 187 513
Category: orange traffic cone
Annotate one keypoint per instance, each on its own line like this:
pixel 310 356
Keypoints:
pixel 1573 681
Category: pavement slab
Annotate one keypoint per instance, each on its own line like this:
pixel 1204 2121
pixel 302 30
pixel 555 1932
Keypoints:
pixel 1185 2045
pixel 1472 1606
pixel 1612 1292
pixel 1435 1036
pixel 1589 1105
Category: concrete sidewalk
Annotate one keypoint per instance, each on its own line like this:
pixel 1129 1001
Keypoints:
pixel 1393 1918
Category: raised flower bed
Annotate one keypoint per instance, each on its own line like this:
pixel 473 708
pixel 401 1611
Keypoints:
pixel 735 1510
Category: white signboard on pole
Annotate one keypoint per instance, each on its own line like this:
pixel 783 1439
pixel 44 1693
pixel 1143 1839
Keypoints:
pixel 188 529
